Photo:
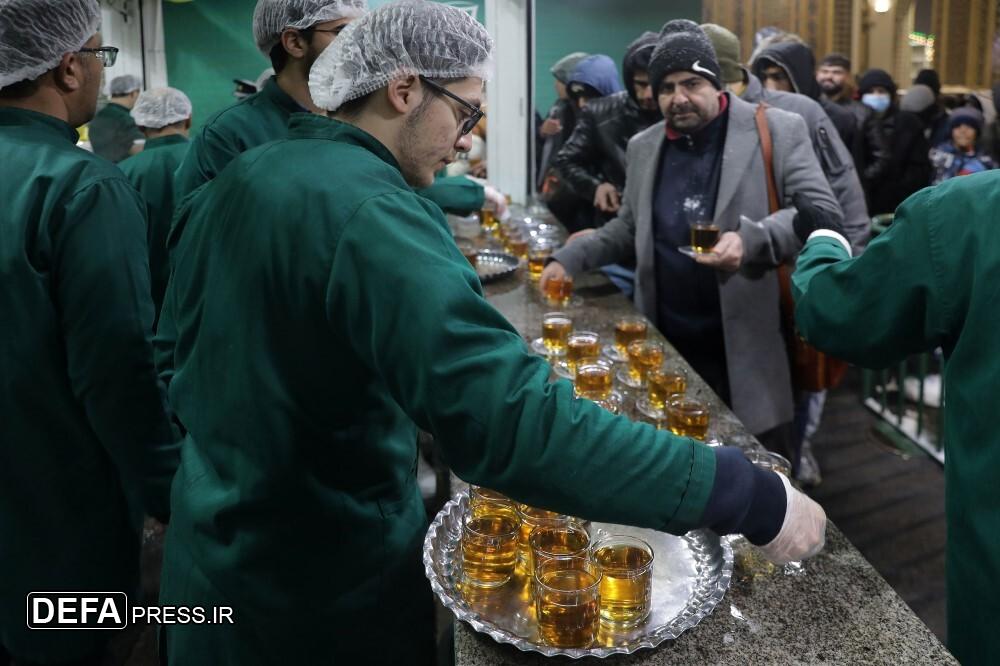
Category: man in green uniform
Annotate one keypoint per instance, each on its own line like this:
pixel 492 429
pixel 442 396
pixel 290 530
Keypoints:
pixel 85 441
pixel 113 134
pixel 164 115
pixel 320 322
pixel 292 33
pixel 929 282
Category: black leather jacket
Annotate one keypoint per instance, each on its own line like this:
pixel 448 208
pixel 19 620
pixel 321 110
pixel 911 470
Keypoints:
pixel 595 153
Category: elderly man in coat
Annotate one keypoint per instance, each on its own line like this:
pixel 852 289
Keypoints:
pixel 704 164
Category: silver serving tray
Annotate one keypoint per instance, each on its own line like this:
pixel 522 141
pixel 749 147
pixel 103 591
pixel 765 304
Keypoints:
pixel 690 576
pixel 491 265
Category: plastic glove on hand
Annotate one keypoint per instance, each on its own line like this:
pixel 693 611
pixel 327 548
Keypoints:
pixel 810 218
pixel 803 532
pixel 494 196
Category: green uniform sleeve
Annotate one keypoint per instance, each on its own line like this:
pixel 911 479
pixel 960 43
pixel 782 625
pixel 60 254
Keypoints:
pixel 404 299
pixel 102 293
pixel 208 155
pixel 880 307
pixel 457 195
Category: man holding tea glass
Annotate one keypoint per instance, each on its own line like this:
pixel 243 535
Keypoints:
pixel 696 219
pixel 309 352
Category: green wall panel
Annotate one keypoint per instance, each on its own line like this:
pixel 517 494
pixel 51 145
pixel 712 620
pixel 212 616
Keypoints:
pixel 210 43
pixel 595 26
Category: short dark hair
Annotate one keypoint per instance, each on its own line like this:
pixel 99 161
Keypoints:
pixel 354 107
pixel 20 90
pixel 836 60
pixel 279 56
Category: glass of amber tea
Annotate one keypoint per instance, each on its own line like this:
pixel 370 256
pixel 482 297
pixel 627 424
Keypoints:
pixel 582 346
pixel 488 220
pixel 517 244
pixel 559 290
pixel 663 384
pixel 594 380
pixel 688 417
pixel 567 601
pixel 643 356
pixel 539 252
pixel 484 500
pixel 556 328
pixel 627 583
pixel 704 236
pixel 489 548
pixel 628 330
pixel 551 541
pixel 531 518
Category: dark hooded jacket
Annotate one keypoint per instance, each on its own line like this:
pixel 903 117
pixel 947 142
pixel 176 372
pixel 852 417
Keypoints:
pixel 800 65
pixel 595 153
pixel 896 162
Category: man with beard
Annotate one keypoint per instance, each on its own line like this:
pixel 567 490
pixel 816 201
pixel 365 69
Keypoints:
pixel 704 164
pixel 292 33
pixel 788 65
pixel 833 77
pixel 86 444
pixel 593 159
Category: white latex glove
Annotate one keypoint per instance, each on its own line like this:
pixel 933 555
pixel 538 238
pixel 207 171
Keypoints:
pixel 803 532
pixel 494 196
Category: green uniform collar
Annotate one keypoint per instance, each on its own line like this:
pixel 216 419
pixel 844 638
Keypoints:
pixel 163 141
pixel 23 117
pixel 115 107
pixel 273 93
pixel 312 126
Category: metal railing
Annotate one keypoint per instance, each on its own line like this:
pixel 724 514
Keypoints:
pixel 908 398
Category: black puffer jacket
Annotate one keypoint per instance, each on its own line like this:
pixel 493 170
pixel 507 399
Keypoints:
pixel 800 65
pixel 595 153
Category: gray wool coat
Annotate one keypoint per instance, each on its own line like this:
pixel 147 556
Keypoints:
pixel 759 377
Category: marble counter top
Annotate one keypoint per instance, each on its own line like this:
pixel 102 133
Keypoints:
pixel 837 609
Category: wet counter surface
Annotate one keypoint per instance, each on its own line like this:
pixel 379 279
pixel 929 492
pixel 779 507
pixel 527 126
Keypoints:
pixel 838 609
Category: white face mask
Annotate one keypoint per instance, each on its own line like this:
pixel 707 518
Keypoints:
pixel 877 102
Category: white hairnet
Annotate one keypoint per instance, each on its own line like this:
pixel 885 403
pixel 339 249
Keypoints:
pixel 271 17
pixel 160 107
pixel 36 34
pixel 123 85
pixel 400 39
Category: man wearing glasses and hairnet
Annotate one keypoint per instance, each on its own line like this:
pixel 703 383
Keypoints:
pixel 85 441
pixel 293 33
pixel 312 344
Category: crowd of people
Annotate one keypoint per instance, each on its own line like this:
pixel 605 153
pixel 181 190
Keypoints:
pixel 239 332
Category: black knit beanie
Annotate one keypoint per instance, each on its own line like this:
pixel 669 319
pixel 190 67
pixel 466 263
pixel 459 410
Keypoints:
pixel 876 77
pixel 683 47
pixel 929 78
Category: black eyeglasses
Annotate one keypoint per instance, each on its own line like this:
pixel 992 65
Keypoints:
pixel 106 54
pixel 469 123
